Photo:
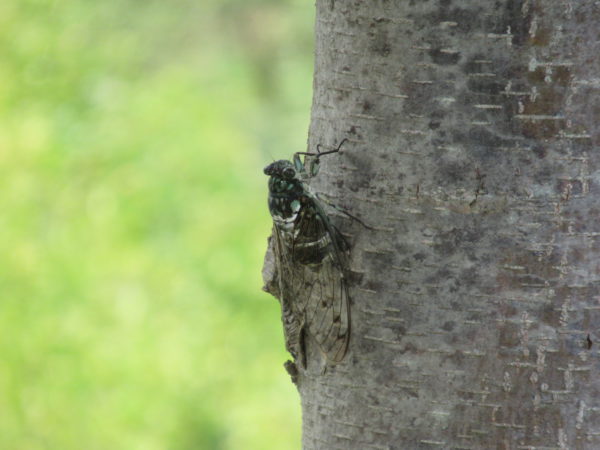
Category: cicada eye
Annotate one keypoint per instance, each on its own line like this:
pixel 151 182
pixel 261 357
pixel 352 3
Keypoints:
pixel 289 173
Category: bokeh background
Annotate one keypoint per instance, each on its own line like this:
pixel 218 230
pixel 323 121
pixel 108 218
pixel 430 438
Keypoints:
pixel 133 221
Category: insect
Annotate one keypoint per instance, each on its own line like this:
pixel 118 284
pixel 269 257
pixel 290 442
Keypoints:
pixel 310 262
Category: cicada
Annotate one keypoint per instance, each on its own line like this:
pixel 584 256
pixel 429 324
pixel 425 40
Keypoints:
pixel 310 261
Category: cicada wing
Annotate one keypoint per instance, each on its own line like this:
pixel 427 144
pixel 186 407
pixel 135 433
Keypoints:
pixel 316 266
pixel 325 307
pixel 292 324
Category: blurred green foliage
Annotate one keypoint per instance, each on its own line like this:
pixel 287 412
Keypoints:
pixel 133 221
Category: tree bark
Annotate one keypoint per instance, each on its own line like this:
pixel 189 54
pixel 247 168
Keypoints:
pixel 473 152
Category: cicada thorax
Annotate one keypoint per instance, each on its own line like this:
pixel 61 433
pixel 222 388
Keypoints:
pixel 284 200
pixel 295 215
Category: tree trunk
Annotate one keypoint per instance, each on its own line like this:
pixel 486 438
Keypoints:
pixel 473 133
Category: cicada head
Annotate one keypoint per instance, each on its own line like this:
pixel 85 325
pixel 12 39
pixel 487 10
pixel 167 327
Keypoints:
pixel 284 177
pixel 282 169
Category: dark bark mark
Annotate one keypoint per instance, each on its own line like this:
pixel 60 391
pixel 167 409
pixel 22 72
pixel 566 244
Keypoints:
pixel 439 56
pixel 517 21
pixel 380 44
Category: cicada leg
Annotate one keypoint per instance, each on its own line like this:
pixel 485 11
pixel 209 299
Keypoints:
pixel 313 168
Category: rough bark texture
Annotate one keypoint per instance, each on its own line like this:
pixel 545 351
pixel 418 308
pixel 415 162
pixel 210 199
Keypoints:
pixel 473 129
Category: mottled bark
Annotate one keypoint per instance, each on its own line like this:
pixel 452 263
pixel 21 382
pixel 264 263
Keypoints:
pixel 473 151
